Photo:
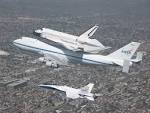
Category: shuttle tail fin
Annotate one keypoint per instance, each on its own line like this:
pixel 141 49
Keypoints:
pixel 125 52
pixel 90 32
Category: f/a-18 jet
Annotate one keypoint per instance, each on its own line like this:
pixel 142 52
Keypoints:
pixel 75 43
pixel 84 92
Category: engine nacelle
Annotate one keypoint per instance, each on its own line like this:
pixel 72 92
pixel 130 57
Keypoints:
pixel 52 64
pixel 48 62
pixel 42 59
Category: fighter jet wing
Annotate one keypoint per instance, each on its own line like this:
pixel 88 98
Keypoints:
pixel 90 98
pixel 71 94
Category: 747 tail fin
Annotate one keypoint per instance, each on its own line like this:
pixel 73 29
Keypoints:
pixel 90 32
pixel 125 52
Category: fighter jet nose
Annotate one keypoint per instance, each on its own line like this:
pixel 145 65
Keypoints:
pixel 40 85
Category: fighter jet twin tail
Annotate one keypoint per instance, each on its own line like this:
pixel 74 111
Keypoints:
pixel 81 49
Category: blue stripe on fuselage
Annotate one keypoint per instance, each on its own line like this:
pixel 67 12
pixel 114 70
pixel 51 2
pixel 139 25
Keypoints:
pixel 79 58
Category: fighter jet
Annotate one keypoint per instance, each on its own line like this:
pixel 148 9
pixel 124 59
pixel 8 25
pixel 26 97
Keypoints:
pixel 75 43
pixel 84 92
pixel 54 56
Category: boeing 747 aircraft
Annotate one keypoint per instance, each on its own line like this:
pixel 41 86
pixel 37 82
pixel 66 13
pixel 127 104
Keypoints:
pixel 55 56
pixel 75 43
pixel 84 92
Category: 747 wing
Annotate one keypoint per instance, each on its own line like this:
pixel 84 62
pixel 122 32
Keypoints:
pixel 53 60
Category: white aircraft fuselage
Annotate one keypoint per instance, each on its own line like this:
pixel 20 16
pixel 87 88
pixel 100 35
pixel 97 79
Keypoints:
pixel 64 54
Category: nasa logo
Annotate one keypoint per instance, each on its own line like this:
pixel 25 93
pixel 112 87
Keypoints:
pixel 127 51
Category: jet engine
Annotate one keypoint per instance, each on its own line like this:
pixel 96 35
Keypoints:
pixel 48 62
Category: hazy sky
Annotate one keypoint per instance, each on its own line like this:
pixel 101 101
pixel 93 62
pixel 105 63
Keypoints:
pixel 74 7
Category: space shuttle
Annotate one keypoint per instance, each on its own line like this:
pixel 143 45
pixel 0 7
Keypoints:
pixel 73 93
pixel 75 43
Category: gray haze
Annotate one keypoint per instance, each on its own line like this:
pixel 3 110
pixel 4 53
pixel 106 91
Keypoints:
pixel 48 8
